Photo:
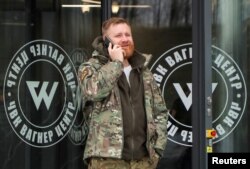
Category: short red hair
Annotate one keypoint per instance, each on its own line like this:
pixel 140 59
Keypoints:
pixel 113 21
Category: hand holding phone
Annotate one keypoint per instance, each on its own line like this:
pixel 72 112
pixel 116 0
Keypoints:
pixel 115 52
pixel 107 41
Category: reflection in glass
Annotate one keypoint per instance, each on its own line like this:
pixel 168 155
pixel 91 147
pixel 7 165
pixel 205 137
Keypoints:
pixel 159 13
pixel 230 32
pixel 73 29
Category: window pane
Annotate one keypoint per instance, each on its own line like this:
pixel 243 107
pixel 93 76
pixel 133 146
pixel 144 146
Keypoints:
pixel 42 43
pixel 230 39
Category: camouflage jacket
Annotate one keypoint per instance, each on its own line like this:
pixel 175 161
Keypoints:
pixel 98 81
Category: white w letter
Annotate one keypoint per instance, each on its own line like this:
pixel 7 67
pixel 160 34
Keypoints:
pixel 42 95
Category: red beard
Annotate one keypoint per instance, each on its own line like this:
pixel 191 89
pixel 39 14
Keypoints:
pixel 129 51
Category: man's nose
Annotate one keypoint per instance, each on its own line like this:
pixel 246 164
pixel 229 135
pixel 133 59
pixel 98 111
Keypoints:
pixel 124 38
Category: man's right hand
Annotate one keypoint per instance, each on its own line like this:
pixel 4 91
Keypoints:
pixel 116 53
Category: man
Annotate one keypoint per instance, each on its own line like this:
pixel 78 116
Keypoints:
pixel 127 127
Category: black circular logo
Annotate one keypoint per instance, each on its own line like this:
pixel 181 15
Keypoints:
pixel 173 73
pixel 39 93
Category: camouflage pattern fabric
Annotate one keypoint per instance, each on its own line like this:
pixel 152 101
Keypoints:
pixel 102 163
pixel 105 138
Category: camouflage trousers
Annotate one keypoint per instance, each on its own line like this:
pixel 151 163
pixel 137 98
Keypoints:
pixel 108 163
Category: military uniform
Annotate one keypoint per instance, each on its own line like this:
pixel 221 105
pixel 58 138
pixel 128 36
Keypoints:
pixel 101 82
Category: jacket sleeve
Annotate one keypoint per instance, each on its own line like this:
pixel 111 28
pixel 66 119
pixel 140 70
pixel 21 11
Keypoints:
pixel 161 117
pixel 97 80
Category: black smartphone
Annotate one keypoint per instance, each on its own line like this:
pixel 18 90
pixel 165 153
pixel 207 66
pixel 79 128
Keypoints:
pixel 107 41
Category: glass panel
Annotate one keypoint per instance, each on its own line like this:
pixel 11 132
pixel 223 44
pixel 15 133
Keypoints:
pixel 231 47
pixel 42 43
pixel 163 28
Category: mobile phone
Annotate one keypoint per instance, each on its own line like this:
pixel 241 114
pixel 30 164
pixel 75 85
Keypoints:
pixel 107 41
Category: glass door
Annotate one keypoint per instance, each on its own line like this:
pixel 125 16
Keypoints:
pixel 42 43
pixel 230 55
pixel 164 29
